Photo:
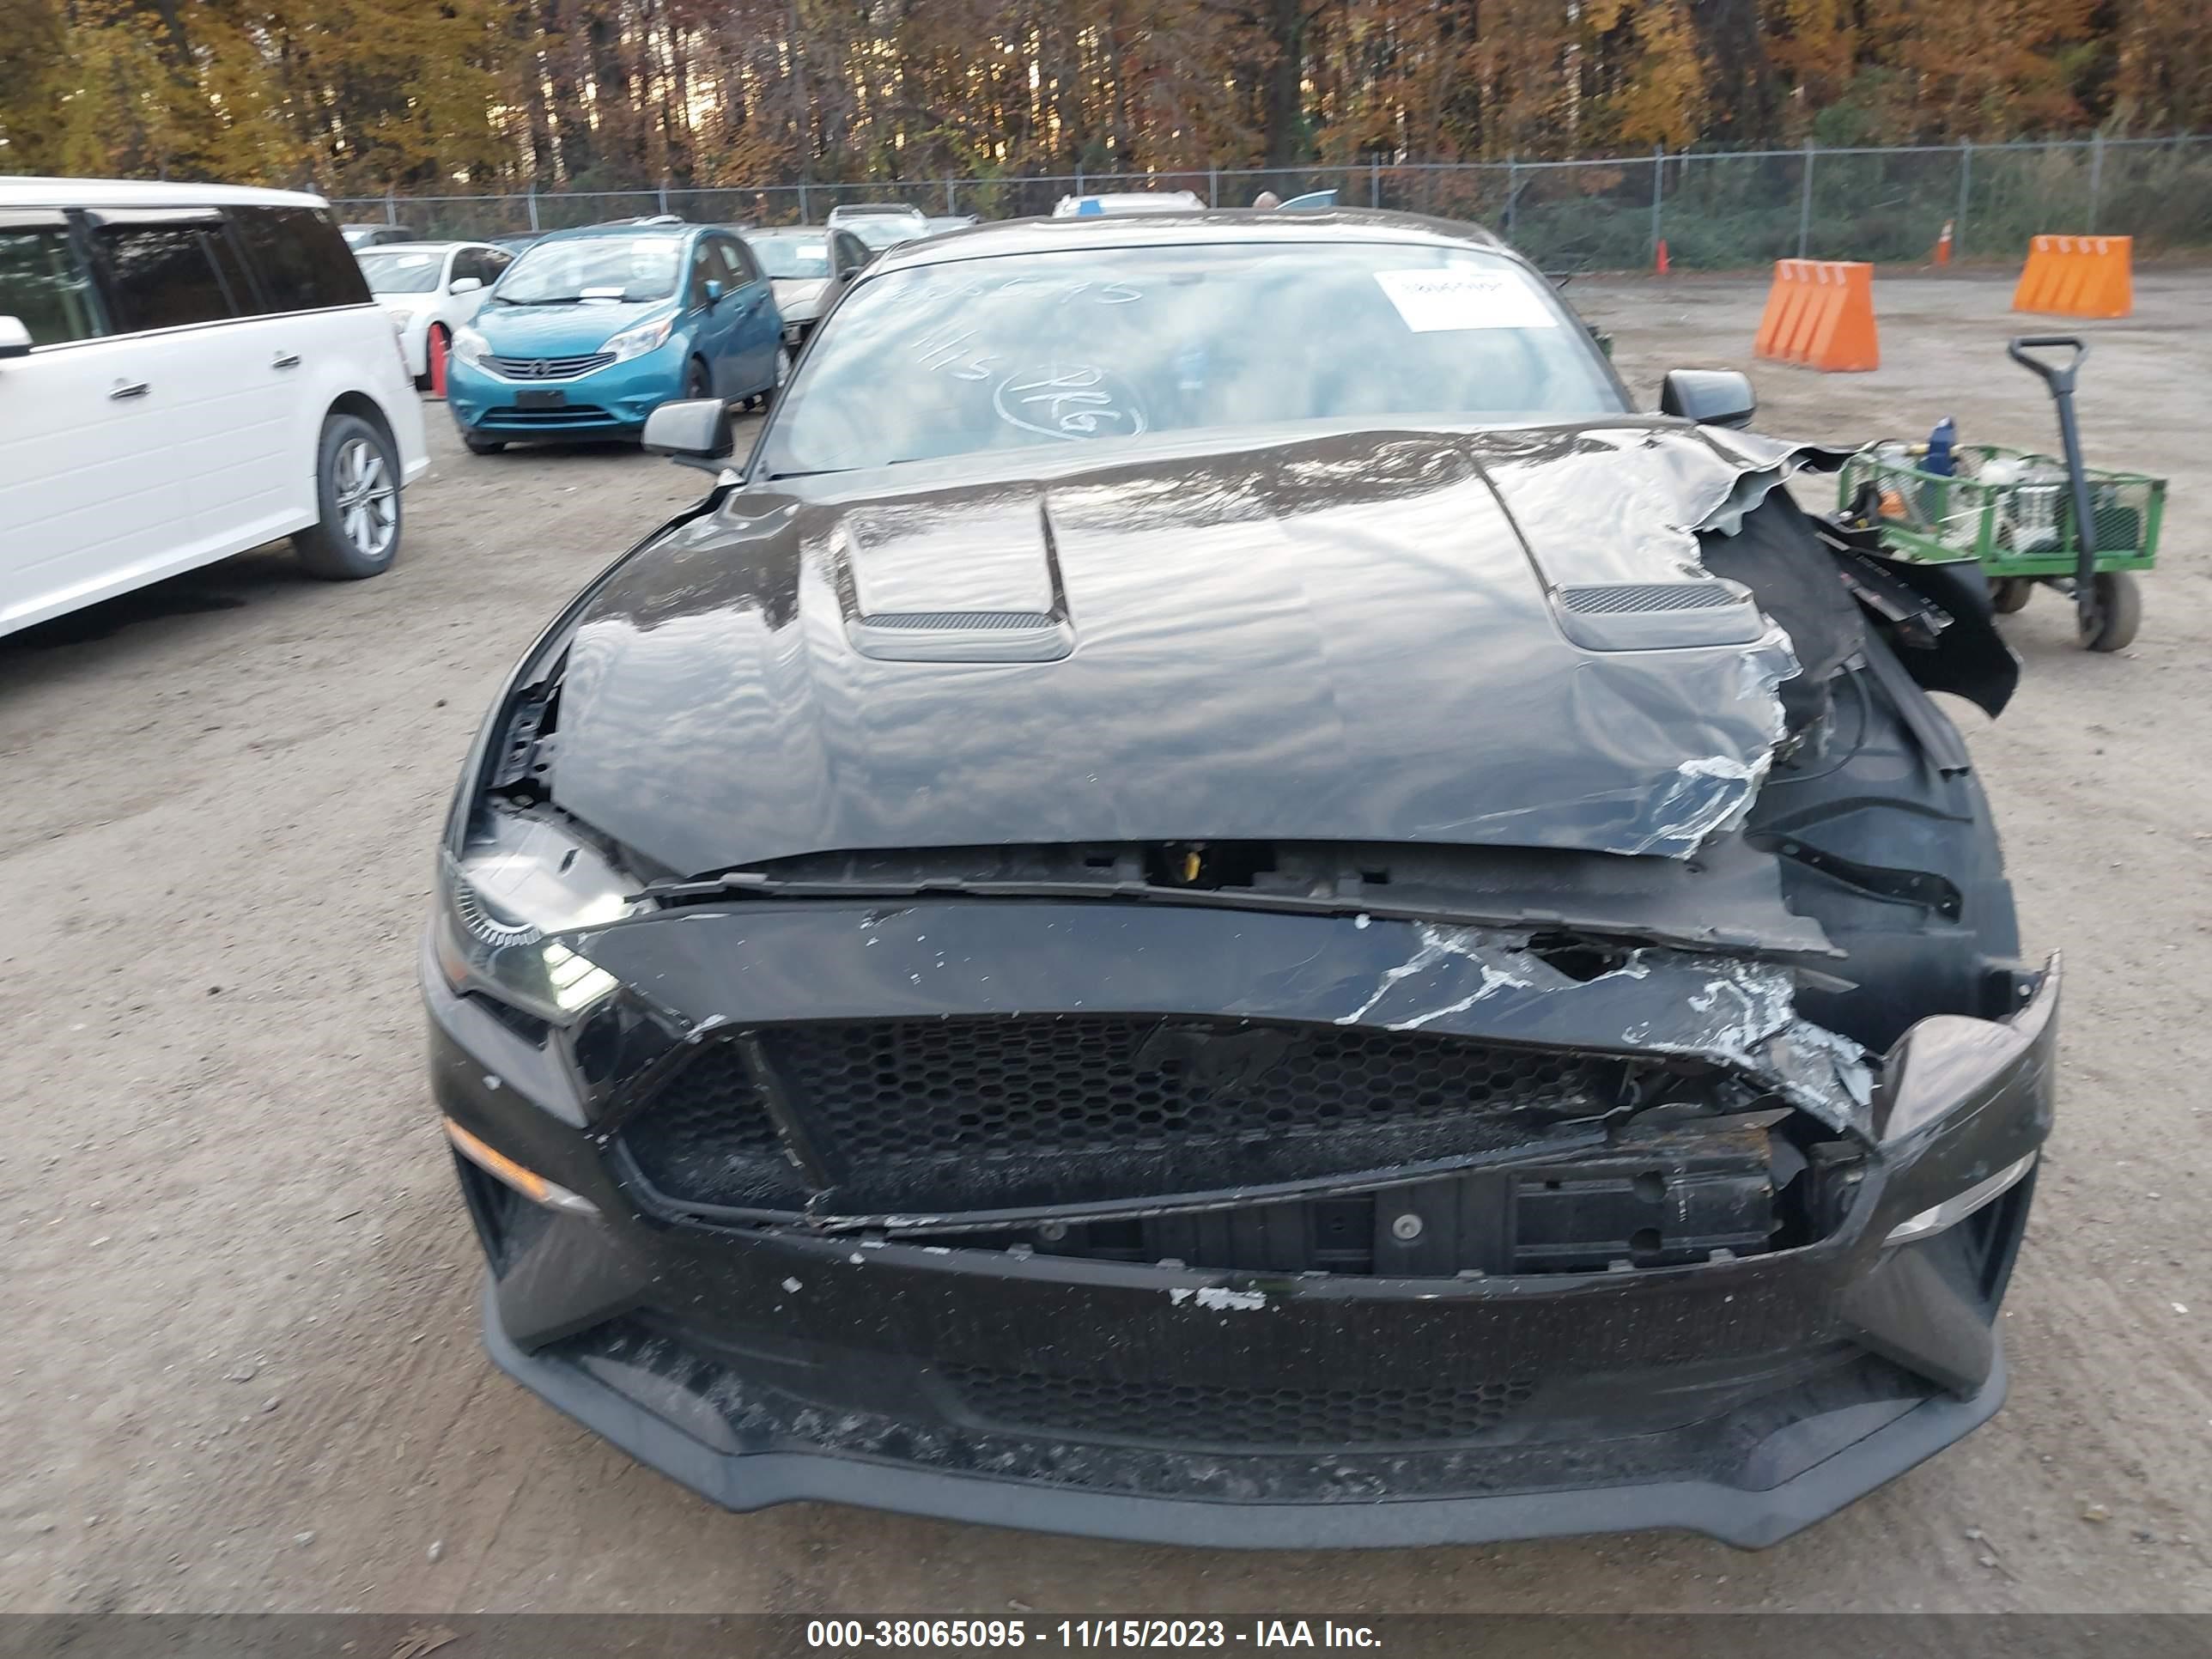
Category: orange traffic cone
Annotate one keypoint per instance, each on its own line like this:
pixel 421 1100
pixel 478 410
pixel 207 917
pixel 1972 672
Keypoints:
pixel 1943 245
pixel 1662 256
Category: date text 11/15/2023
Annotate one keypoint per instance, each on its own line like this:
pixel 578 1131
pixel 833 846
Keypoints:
pixel 855 1635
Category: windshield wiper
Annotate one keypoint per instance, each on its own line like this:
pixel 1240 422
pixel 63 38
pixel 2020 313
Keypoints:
pixel 1450 909
pixel 827 471
pixel 1730 906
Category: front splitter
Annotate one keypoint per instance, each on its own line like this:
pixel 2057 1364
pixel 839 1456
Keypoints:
pixel 1871 1445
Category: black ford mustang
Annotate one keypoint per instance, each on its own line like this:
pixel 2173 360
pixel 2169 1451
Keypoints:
pixel 1217 899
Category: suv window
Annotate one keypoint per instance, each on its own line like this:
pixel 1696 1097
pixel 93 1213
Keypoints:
pixel 160 275
pixel 232 269
pixel 303 263
pixel 42 285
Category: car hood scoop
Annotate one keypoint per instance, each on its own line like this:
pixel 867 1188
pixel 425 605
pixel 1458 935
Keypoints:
pixel 985 587
pixel 1500 638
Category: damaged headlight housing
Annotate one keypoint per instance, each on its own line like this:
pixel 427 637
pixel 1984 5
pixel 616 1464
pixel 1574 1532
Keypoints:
pixel 504 905
pixel 1937 1218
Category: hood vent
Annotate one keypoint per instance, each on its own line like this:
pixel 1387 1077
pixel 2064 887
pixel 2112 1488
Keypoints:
pixel 916 586
pixel 947 621
pixel 1658 616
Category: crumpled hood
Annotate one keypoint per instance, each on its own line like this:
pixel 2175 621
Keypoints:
pixel 798 298
pixel 1479 637
pixel 560 331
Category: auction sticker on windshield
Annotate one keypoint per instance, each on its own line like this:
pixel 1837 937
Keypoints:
pixel 1431 300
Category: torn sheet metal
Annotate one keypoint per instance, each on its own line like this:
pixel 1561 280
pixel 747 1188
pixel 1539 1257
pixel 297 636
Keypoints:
pixel 1357 636
pixel 941 958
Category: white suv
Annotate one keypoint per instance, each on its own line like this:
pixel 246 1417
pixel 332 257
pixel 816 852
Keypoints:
pixel 187 371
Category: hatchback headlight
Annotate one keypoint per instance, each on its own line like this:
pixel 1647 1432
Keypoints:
pixel 504 906
pixel 471 347
pixel 636 341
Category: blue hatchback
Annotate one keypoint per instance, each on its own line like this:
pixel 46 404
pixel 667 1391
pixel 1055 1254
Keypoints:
pixel 589 331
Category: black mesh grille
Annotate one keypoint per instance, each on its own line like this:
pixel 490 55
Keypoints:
pixel 1621 599
pixel 975 1114
pixel 1201 1414
pixel 706 1131
pixel 905 1089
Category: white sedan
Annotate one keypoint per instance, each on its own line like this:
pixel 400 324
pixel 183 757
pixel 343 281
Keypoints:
pixel 429 289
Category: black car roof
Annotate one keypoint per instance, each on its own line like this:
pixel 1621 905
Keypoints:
pixel 1217 226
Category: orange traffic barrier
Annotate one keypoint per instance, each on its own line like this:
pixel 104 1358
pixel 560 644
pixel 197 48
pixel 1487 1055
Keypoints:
pixel 2078 277
pixel 1820 314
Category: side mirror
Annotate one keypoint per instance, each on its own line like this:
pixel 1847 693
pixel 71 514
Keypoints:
pixel 14 338
pixel 1711 397
pixel 693 431
pixel 464 285
pixel 714 291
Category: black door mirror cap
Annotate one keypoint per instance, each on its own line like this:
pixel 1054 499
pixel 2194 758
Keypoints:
pixel 1711 397
pixel 691 431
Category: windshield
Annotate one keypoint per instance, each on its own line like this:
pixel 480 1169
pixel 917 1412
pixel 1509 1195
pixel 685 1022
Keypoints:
pixel 799 257
pixel 1143 201
pixel 1076 346
pixel 402 273
pixel 593 268
pixel 882 230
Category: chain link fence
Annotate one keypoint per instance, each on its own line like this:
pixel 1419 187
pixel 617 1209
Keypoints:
pixel 1712 209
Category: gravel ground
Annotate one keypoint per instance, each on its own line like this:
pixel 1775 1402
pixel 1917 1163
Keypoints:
pixel 244 1372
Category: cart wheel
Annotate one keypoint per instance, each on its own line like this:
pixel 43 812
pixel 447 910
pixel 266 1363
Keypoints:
pixel 2010 593
pixel 2119 602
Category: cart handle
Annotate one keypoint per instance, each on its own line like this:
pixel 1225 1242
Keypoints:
pixel 2061 379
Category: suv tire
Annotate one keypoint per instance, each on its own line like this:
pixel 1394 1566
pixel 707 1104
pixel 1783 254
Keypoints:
pixel 357 489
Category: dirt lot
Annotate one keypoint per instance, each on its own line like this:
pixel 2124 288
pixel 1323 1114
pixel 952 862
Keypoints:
pixel 244 1372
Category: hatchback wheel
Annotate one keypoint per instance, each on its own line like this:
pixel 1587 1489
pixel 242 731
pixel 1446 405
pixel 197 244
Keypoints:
pixel 357 490
pixel 697 383
pixel 476 446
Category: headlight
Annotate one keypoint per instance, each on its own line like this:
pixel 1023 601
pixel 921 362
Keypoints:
pixel 503 904
pixel 472 347
pixel 636 341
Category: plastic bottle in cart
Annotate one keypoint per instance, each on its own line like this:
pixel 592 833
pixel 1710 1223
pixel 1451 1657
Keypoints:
pixel 1940 444
pixel 1940 460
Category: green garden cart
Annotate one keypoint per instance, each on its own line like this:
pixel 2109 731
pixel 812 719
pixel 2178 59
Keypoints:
pixel 2019 514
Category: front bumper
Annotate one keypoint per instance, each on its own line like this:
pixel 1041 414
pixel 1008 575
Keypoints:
pixel 1743 1398
pixel 1833 1456
pixel 610 402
